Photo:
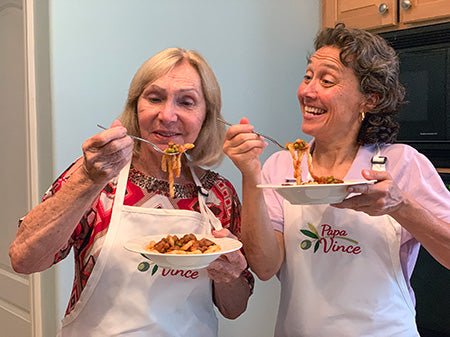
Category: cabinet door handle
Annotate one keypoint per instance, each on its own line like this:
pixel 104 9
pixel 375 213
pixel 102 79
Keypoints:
pixel 405 4
pixel 383 8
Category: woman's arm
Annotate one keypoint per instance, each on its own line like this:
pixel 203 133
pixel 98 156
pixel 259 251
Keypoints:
pixel 47 228
pixel 231 297
pixel 385 197
pixel 232 282
pixel 432 232
pixel 263 246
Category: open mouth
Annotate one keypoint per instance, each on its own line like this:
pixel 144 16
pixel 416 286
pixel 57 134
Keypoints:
pixel 166 134
pixel 310 110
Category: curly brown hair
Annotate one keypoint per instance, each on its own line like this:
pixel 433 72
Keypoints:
pixel 376 66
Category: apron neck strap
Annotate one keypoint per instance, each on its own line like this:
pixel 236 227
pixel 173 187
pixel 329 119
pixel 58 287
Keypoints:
pixel 202 194
pixel 378 161
pixel 122 184
pixel 120 193
pixel 199 185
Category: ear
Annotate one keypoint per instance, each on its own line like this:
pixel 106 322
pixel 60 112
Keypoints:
pixel 371 101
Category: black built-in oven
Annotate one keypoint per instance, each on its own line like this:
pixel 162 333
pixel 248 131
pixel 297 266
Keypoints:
pixel 424 54
pixel 425 124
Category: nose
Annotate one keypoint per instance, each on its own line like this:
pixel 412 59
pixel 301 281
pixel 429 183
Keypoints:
pixel 168 112
pixel 307 89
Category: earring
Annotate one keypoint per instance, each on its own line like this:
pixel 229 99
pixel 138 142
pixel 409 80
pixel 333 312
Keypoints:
pixel 362 116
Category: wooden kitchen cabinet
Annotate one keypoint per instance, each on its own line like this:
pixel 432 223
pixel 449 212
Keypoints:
pixel 383 15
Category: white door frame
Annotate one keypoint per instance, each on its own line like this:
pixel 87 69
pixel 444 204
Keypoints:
pixel 31 136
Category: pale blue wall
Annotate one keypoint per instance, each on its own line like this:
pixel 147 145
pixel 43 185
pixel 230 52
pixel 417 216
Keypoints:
pixel 257 48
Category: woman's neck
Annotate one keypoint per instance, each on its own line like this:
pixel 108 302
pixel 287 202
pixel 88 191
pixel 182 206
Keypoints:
pixel 333 159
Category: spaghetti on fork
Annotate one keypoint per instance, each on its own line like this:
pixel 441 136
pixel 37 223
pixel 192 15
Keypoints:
pixel 298 149
pixel 172 163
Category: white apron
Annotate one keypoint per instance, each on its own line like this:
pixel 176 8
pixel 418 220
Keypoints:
pixel 127 295
pixel 342 275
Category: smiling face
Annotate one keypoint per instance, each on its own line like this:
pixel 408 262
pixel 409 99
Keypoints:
pixel 173 107
pixel 330 98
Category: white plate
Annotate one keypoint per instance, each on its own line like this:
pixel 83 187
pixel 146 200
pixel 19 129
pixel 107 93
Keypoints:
pixel 194 261
pixel 315 194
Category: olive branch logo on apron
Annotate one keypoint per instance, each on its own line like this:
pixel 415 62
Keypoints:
pixel 316 239
pixel 144 266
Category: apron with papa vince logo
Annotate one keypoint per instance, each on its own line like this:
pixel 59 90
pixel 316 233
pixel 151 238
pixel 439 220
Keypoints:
pixel 121 298
pixel 342 275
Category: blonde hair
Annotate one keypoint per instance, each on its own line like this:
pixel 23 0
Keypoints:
pixel 208 145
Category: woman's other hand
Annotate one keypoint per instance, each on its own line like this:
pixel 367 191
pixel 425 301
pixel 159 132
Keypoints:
pixel 383 197
pixel 106 153
pixel 232 288
pixel 228 267
pixel 243 147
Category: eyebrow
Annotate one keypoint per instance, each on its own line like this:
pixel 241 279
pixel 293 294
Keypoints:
pixel 154 86
pixel 328 65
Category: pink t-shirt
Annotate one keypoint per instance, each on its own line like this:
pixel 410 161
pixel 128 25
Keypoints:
pixel 412 172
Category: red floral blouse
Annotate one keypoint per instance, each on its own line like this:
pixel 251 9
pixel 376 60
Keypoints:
pixel 222 200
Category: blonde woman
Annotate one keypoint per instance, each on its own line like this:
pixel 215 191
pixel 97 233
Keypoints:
pixel 98 203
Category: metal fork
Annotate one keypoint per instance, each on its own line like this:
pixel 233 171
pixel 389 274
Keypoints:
pixel 258 133
pixel 143 140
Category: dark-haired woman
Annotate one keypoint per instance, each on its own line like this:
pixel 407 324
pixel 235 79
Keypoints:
pixel 344 268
